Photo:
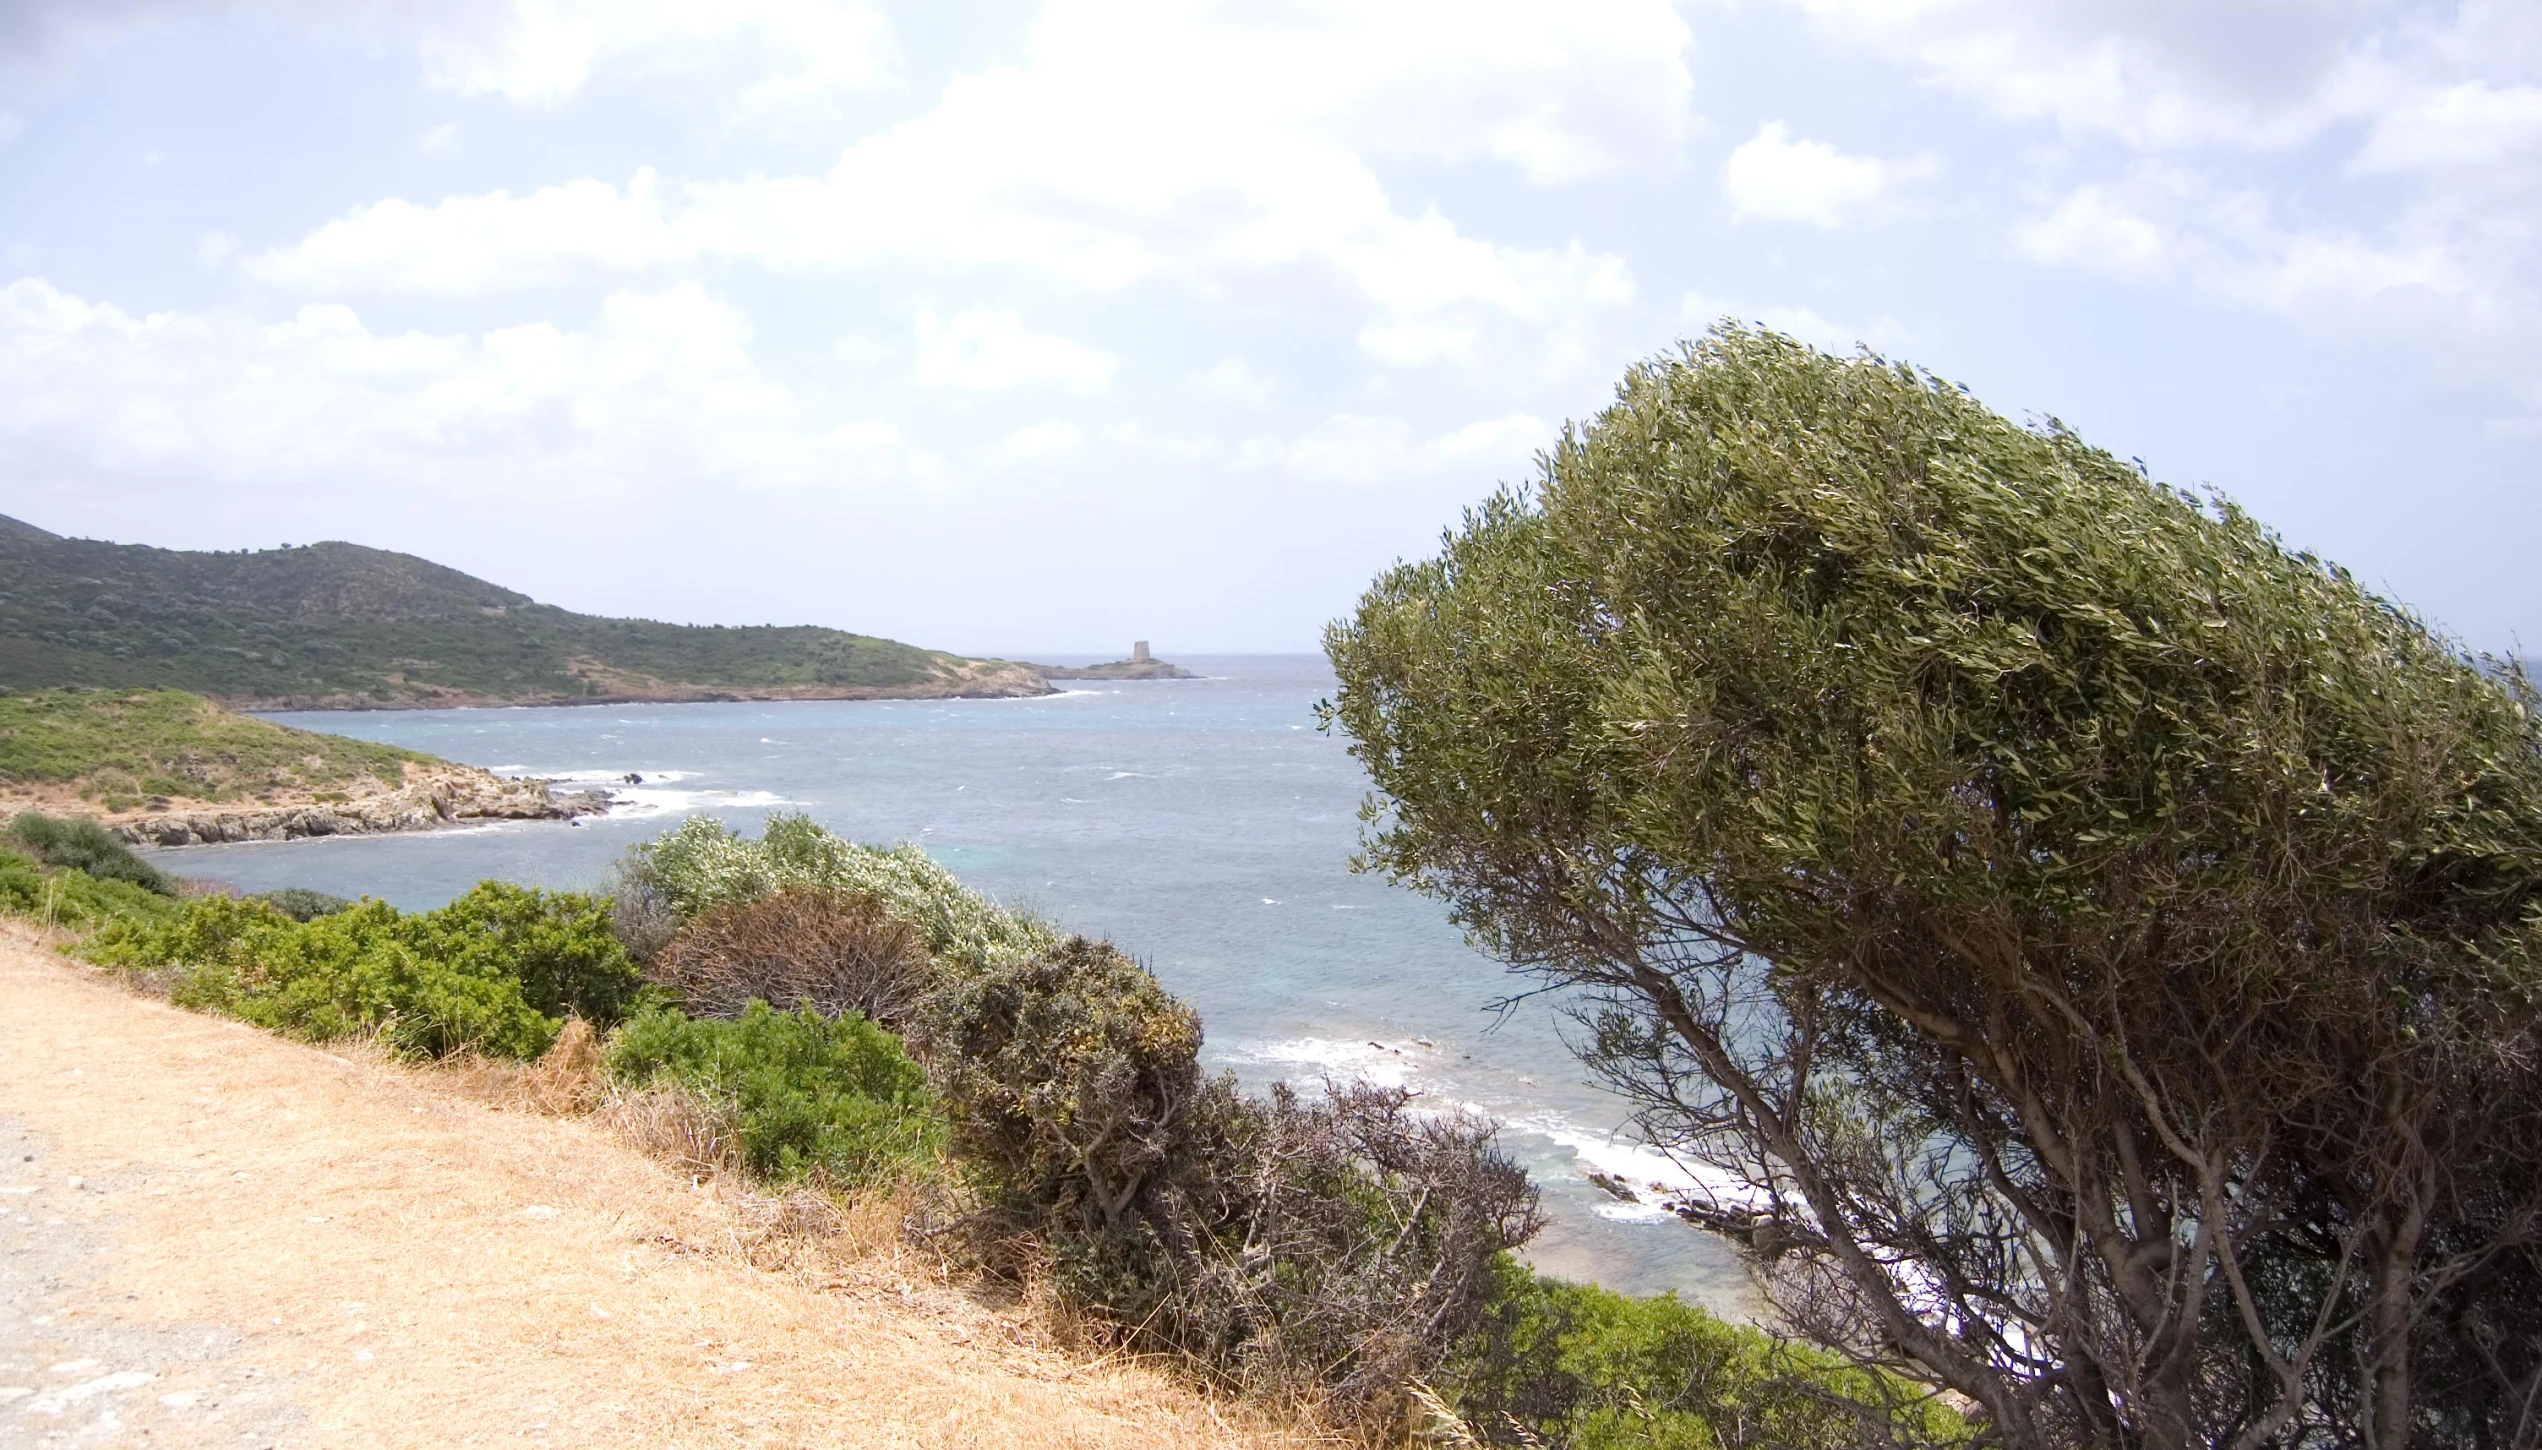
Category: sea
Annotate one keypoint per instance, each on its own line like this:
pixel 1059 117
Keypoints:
pixel 1206 826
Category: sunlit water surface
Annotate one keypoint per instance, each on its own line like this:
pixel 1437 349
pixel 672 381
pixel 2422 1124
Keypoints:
pixel 1205 825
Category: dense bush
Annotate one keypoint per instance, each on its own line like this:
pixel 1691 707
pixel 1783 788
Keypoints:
pixel 798 948
pixel 302 904
pixel 1335 1248
pixel 556 944
pixel 703 864
pixel 831 1100
pixel 61 896
pixel 496 971
pixel 83 845
pixel 1338 1246
pixel 1576 1367
pixel 1068 1075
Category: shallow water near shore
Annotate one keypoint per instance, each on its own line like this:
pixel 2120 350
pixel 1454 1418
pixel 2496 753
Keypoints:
pixel 1204 825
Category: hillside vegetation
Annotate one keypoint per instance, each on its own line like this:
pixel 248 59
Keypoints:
pixel 337 625
pixel 115 749
pixel 1030 1106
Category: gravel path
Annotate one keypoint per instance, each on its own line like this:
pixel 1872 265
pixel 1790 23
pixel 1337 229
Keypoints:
pixel 72 1371
pixel 210 1236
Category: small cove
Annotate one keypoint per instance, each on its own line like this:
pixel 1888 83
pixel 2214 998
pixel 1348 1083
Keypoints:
pixel 1204 825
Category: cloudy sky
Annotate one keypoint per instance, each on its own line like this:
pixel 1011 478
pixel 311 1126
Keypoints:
pixel 1017 327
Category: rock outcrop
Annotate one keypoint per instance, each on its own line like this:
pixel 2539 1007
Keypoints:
pixel 430 796
pixel 1133 669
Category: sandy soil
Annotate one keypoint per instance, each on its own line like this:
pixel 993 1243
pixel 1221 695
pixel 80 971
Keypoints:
pixel 210 1236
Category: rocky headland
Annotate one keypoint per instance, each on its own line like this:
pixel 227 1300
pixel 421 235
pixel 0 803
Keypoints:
pixel 430 796
pixel 1129 669
pixel 164 768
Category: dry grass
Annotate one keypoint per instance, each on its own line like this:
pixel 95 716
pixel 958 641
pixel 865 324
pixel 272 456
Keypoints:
pixel 414 1265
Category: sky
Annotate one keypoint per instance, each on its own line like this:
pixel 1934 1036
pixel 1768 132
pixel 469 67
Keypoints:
pixel 1016 328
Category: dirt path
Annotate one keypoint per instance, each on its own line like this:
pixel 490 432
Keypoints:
pixel 209 1236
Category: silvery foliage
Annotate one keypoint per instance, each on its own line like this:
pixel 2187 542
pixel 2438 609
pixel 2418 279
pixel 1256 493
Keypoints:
pixel 704 863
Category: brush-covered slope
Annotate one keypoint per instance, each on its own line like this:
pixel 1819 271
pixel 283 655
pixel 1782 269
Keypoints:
pixel 342 626
pixel 119 747
pixel 172 769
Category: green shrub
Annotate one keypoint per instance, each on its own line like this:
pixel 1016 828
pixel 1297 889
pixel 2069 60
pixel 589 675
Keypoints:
pixel 70 898
pixel 496 970
pixel 302 904
pixel 1576 1366
pixel 1333 1249
pixel 83 845
pixel 352 972
pixel 1065 1075
pixel 556 944
pixel 703 864
pixel 833 1101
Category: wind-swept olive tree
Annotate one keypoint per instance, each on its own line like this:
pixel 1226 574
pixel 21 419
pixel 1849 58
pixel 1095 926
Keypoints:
pixel 2097 945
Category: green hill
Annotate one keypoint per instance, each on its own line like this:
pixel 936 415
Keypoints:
pixel 330 626
pixel 118 748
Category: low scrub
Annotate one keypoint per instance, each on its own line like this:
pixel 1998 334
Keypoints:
pixel 798 948
pixel 1576 1367
pixel 1333 1249
pixel 65 897
pixel 703 864
pixel 832 1101
pixel 83 845
pixel 1340 1246
pixel 302 904
pixel 122 748
pixel 496 971
pixel 1071 1077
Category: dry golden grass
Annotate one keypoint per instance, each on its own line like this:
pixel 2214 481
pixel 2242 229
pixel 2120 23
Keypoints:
pixel 417 1266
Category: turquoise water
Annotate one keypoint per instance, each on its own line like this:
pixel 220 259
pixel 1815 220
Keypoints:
pixel 1204 825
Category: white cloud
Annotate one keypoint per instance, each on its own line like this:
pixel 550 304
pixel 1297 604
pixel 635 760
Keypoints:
pixel 2467 127
pixel 1884 333
pixel 994 352
pixel 1778 178
pixel 472 244
pixel 1036 443
pixel 1234 380
pixel 215 247
pixel 441 138
pixel 1060 167
pixel 2164 222
pixel 531 52
pixel 1368 450
pixel 541 52
pixel 2153 75
pixel 660 389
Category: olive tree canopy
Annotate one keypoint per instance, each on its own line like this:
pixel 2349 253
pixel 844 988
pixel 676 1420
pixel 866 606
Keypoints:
pixel 2101 941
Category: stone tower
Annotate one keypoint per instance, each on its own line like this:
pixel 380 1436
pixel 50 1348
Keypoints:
pixel 1138 652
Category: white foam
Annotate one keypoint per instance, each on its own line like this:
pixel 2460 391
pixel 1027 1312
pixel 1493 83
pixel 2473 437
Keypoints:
pixel 638 802
pixel 1382 1063
pixel 604 777
pixel 1653 1175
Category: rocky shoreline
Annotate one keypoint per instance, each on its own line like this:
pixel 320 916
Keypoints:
pixel 1132 669
pixel 970 680
pixel 430 797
